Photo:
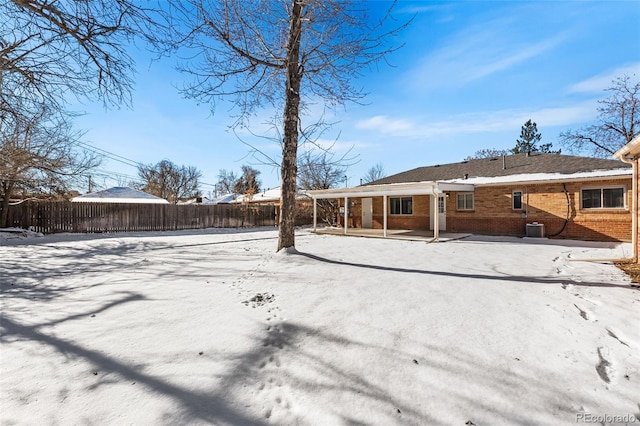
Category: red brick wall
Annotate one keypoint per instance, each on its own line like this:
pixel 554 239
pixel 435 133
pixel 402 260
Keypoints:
pixel 493 213
pixel 546 204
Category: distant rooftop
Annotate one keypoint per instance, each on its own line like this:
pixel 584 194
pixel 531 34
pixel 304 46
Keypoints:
pixel 120 194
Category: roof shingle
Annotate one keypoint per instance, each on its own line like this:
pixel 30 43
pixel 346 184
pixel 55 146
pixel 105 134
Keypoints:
pixel 516 164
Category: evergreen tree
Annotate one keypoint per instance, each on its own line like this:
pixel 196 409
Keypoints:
pixel 247 183
pixel 529 139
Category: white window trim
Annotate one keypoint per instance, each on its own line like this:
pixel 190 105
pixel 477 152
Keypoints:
pixel 601 188
pixel 473 202
pixel 400 214
pixel 513 207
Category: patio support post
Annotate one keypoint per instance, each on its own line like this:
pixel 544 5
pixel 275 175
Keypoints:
pixel 384 215
pixel 434 211
pixel 346 214
pixel 315 213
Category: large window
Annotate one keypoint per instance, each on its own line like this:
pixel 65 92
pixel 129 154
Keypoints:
pixel 516 199
pixel 465 201
pixel 402 205
pixel 603 198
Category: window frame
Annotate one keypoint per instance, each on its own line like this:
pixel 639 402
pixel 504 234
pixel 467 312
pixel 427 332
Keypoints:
pixel 602 197
pixel 513 199
pixel 401 205
pixel 465 208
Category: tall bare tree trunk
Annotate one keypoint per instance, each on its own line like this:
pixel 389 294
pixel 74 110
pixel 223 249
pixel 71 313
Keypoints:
pixel 7 188
pixel 289 167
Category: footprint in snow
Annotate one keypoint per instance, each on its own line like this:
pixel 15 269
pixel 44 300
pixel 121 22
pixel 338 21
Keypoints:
pixel 616 334
pixel 604 368
pixel 585 314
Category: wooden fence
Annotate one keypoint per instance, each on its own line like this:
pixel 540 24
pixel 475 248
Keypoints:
pixel 51 217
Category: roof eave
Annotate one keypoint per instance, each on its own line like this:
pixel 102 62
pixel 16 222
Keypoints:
pixel 632 149
pixel 557 180
pixel 392 189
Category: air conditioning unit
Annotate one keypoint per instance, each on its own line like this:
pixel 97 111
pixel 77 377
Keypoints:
pixel 535 230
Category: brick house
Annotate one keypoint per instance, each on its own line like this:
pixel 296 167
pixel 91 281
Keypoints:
pixel 630 153
pixel 523 194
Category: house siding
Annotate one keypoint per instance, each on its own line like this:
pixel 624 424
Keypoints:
pixel 493 213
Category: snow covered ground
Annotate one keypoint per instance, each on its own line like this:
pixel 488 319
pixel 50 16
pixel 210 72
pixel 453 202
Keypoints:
pixel 214 327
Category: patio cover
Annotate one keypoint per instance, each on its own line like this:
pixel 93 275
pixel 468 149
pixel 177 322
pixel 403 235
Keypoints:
pixel 432 188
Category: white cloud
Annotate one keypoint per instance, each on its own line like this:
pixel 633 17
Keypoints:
pixel 480 51
pixel 385 124
pixel 479 122
pixel 600 82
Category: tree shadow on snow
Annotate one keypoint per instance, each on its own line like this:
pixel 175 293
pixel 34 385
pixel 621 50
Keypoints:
pixel 77 268
pixel 508 278
pixel 196 405
pixel 291 361
pixel 310 365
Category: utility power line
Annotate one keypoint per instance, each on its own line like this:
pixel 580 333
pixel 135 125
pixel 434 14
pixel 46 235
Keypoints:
pixel 124 160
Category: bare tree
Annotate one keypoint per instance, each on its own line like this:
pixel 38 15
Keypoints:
pixel 376 172
pixel 282 55
pixel 49 49
pixel 169 181
pixel 38 155
pixel 226 181
pixel 489 153
pixel 320 171
pixel 618 121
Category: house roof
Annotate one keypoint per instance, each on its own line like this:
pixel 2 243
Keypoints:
pixel 120 194
pixel 223 199
pixel 510 165
pixel 464 176
pixel 267 195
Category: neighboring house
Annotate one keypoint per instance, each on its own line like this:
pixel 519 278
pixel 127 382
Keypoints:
pixel 630 153
pixel 119 195
pixel 537 194
pixel 196 200
pixel 268 196
pixel 272 197
pixel 223 199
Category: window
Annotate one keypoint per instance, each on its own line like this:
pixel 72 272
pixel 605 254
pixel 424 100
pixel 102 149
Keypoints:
pixel 516 200
pixel 465 201
pixel 603 198
pixel 402 205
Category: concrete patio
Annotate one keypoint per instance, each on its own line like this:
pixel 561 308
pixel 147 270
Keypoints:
pixel 395 234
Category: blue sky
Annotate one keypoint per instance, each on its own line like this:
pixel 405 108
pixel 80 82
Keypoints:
pixel 469 75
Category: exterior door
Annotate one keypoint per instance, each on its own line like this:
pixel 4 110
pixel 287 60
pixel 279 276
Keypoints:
pixel 442 212
pixel 367 213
